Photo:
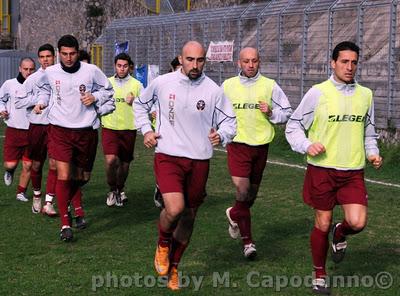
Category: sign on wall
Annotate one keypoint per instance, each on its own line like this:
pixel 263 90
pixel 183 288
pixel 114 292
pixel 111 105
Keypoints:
pixel 220 51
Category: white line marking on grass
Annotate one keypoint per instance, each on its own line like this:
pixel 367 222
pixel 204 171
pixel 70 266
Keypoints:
pixel 303 168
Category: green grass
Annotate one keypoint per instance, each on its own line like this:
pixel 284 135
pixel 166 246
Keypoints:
pixel 120 242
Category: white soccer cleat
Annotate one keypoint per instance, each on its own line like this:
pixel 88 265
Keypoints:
pixel 49 198
pixel 111 198
pixel 124 198
pixel 8 178
pixel 48 209
pixel 249 251
pixel 233 228
pixel 36 205
pixel 22 197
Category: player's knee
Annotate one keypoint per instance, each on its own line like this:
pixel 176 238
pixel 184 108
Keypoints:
pixel 323 225
pixel 357 224
pixel 26 166
pixel 174 212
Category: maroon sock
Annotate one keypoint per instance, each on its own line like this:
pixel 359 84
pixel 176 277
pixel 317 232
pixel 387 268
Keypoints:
pixel 164 238
pixel 177 250
pixel 51 182
pixel 344 229
pixel 36 178
pixel 240 213
pixel 76 202
pixel 21 189
pixel 319 249
pixel 63 194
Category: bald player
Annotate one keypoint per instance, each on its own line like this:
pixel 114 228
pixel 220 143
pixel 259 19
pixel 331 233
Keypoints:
pixel 259 103
pixel 193 115
pixel 16 134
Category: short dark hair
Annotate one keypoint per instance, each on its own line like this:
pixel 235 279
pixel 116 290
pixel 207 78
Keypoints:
pixel 345 45
pixel 175 63
pixel 68 41
pixel 123 56
pixel 48 47
pixel 84 55
pixel 27 59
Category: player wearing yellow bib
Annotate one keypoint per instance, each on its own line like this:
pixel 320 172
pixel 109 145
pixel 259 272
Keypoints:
pixel 259 103
pixel 119 131
pixel 338 115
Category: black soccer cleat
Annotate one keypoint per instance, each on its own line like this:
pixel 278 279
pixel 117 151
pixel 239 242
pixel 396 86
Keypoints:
pixel 320 287
pixel 80 223
pixel 66 234
pixel 338 247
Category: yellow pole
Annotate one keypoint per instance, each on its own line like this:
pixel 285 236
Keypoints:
pixel 188 6
pixel 158 6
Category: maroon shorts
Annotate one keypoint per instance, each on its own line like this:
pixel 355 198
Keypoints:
pixel 37 137
pixel 119 143
pixel 77 146
pixel 16 145
pixel 247 161
pixel 324 188
pixel 93 147
pixel 181 174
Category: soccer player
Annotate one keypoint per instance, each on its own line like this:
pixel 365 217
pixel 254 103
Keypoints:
pixel 338 117
pixel 119 131
pixel 75 90
pixel 16 134
pixel 37 136
pixel 193 115
pixel 259 103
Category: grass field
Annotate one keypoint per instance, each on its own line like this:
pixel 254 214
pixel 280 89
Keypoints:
pixel 114 255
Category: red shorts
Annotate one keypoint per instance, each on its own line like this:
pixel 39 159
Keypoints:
pixel 119 143
pixel 324 188
pixel 181 174
pixel 15 145
pixel 247 161
pixel 37 137
pixel 73 145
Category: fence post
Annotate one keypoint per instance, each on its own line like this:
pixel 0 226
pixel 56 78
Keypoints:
pixel 391 62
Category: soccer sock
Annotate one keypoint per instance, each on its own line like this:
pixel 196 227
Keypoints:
pixel 120 187
pixel 344 229
pixel 36 178
pixel 240 213
pixel 76 200
pixel 164 238
pixel 177 250
pixel 319 250
pixel 51 182
pixel 21 189
pixel 63 193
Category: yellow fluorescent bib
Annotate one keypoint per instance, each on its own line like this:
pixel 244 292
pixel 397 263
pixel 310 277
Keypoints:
pixel 253 127
pixel 339 123
pixel 122 117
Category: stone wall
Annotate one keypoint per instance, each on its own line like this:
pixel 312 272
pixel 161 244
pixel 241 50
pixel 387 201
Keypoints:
pixel 47 20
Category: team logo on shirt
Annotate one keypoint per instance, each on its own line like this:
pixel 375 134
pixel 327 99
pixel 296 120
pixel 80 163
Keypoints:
pixel 82 89
pixel 201 105
pixel 171 109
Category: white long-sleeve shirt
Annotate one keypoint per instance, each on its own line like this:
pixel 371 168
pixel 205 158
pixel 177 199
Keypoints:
pixel 29 99
pixel 186 112
pixel 61 92
pixel 17 118
pixel 303 117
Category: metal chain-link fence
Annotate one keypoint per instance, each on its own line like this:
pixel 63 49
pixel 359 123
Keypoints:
pixel 294 37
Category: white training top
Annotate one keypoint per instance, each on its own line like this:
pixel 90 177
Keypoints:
pixel 186 112
pixel 61 92
pixel 17 118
